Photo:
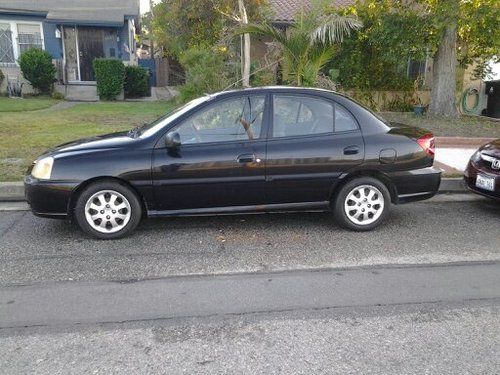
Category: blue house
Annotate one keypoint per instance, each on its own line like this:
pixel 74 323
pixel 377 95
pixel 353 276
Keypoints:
pixel 74 32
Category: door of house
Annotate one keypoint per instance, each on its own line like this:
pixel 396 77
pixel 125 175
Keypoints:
pixel 90 46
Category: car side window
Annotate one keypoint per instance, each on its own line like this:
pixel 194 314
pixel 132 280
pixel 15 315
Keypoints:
pixel 344 120
pixel 227 120
pixel 301 115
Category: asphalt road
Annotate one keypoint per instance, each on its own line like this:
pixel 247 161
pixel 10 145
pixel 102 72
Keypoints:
pixel 40 250
pixel 66 303
pixel 405 339
pixel 290 293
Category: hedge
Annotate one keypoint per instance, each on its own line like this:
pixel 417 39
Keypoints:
pixel 38 69
pixel 136 84
pixel 109 74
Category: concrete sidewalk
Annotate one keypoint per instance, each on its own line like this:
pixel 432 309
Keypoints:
pixel 453 153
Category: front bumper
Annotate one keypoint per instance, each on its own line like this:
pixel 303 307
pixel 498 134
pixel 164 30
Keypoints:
pixel 48 198
pixel 470 176
pixel 415 185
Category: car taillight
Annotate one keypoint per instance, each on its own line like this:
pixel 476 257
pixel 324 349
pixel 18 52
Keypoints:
pixel 427 143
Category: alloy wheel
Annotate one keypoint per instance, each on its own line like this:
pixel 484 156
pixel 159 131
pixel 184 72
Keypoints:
pixel 107 211
pixel 364 204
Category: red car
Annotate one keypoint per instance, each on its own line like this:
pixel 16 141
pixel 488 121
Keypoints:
pixel 482 174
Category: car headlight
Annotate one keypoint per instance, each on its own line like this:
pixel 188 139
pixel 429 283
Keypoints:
pixel 43 168
pixel 476 157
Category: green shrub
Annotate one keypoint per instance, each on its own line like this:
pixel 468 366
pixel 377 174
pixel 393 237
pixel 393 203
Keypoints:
pixel 136 84
pixel 57 95
pixel 261 76
pixel 38 69
pixel 207 71
pixel 109 74
pixel 398 105
pixel 2 77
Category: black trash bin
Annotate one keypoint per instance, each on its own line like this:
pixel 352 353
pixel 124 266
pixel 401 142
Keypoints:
pixel 493 105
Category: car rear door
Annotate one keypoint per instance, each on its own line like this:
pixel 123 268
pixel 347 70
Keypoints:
pixel 312 140
pixel 221 160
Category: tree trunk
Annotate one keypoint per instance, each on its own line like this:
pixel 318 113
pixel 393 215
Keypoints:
pixel 444 75
pixel 245 58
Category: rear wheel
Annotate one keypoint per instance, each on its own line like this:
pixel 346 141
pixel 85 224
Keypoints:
pixel 362 204
pixel 107 210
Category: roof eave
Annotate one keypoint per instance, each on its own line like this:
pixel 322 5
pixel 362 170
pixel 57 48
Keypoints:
pixel 86 22
pixel 22 12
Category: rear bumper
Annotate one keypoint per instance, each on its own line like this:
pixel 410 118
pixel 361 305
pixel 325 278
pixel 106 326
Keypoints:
pixel 415 185
pixel 48 198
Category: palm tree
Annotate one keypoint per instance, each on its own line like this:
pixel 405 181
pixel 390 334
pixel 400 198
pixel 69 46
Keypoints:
pixel 307 45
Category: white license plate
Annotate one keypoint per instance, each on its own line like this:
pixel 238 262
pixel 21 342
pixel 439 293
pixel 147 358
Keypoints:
pixel 485 183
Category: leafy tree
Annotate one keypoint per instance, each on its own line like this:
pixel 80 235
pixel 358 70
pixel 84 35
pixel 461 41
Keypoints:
pixel 178 25
pixel 375 57
pixel 308 44
pixel 453 32
pixel 207 70
pixel 467 31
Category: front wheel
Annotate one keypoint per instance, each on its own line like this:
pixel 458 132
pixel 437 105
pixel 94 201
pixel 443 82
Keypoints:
pixel 107 210
pixel 362 204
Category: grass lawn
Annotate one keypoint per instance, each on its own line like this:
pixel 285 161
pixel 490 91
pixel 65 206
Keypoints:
pixel 465 126
pixel 25 135
pixel 21 105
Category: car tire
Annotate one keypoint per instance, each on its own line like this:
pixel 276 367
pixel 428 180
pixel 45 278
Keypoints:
pixel 107 210
pixel 362 204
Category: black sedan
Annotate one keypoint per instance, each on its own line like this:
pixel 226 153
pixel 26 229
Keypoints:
pixel 243 151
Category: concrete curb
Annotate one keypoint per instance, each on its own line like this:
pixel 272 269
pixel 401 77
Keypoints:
pixel 452 186
pixel 461 142
pixel 14 191
pixel 11 191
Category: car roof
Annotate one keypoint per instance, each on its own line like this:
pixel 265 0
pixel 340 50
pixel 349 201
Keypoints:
pixel 274 88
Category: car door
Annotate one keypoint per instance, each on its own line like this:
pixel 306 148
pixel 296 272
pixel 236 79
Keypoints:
pixel 312 141
pixel 221 159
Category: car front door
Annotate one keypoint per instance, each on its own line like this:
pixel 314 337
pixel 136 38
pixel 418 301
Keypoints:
pixel 312 141
pixel 221 160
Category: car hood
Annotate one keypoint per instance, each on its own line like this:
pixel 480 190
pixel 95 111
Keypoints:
pixel 492 148
pixel 106 141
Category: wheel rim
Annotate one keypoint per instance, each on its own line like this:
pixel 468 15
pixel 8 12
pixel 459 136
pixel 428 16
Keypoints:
pixel 107 211
pixel 364 204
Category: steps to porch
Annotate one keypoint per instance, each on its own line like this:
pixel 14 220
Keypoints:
pixel 87 92
pixel 79 92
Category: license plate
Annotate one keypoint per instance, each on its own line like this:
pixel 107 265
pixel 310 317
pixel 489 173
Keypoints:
pixel 485 183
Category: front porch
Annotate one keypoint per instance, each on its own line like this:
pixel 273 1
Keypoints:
pixel 83 44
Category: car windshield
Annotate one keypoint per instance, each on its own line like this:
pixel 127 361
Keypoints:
pixel 149 129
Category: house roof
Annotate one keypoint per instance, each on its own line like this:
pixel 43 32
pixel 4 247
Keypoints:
pixel 286 10
pixel 77 11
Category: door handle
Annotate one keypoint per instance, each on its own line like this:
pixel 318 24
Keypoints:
pixel 351 150
pixel 247 158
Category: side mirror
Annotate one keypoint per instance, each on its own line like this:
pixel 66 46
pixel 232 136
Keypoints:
pixel 173 141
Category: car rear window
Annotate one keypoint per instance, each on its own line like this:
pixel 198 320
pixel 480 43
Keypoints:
pixel 295 115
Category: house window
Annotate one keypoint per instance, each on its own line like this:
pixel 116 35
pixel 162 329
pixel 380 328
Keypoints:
pixel 6 47
pixel 16 38
pixel 29 36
